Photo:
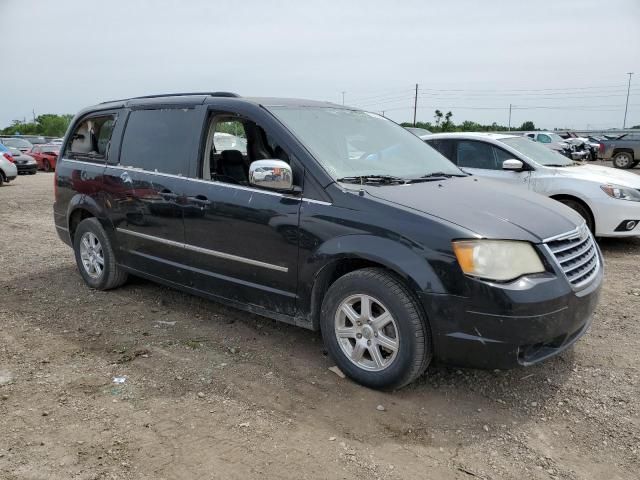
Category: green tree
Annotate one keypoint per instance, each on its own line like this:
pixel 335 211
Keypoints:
pixel 48 124
pixel 447 125
pixel 438 117
pixel 528 125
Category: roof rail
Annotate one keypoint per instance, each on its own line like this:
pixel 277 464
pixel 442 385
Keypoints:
pixel 187 94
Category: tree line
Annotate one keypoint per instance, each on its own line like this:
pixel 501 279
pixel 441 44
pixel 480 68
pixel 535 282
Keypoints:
pixel 48 125
pixel 442 122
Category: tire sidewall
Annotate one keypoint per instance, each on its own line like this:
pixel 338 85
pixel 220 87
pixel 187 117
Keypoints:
pixel 398 370
pixel 582 211
pixel 625 155
pixel 93 225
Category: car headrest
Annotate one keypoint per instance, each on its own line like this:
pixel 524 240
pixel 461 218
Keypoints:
pixel 232 157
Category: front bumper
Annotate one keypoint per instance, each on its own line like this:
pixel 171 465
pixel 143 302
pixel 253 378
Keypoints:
pixel 27 167
pixel 609 213
pixel 505 326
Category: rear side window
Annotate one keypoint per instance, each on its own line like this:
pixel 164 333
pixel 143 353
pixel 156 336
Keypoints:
pixel 91 137
pixel 445 147
pixel 160 140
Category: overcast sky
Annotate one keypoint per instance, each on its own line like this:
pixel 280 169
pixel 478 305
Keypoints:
pixel 566 58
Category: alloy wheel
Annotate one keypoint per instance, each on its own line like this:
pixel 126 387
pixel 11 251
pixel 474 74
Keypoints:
pixel 367 333
pixel 91 255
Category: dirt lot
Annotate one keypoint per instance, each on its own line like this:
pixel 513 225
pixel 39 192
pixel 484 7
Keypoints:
pixel 210 392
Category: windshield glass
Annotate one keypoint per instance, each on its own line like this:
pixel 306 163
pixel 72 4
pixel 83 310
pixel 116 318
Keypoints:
pixel 537 152
pixel 17 142
pixel 555 137
pixel 353 143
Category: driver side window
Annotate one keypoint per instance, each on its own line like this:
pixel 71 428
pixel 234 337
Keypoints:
pixel 474 154
pixel 542 138
pixel 232 144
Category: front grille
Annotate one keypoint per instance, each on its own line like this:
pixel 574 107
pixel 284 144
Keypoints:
pixel 577 255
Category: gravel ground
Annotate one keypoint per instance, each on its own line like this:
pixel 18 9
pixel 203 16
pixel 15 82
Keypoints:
pixel 211 392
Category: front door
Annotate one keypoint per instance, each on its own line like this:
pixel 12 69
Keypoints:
pixel 485 160
pixel 242 241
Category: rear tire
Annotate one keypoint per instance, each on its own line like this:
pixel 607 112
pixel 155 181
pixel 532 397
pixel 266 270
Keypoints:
pixel 385 345
pixel 1 178
pixel 623 160
pixel 95 257
pixel 583 210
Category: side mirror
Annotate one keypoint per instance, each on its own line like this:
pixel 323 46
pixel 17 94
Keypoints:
pixel 273 174
pixel 513 164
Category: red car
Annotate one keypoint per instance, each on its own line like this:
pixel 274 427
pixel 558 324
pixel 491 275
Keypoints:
pixel 46 156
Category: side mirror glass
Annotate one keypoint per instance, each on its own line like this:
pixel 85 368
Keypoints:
pixel 273 174
pixel 513 164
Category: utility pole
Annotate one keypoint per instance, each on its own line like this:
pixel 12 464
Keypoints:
pixel 33 111
pixel 415 106
pixel 343 97
pixel 509 117
pixel 383 113
pixel 626 107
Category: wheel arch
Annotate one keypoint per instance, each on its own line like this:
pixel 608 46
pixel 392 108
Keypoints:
pixel 617 150
pixel 567 196
pixel 343 255
pixel 81 207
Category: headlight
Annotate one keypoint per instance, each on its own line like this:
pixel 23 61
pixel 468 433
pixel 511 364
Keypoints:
pixel 499 260
pixel 621 193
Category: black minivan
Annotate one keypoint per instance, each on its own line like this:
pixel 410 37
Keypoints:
pixel 325 217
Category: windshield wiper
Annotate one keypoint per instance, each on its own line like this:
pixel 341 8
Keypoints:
pixel 444 175
pixel 375 179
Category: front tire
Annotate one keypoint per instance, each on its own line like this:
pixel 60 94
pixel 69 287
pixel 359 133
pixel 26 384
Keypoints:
pixel 95 257
pixel 46 166
pixel 623 160
pixel 375 330
pixel 583 211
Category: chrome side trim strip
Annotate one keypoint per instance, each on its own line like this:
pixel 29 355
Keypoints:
pixel 206 251
pixel 200 180
pixel 102 163
pixel 319 202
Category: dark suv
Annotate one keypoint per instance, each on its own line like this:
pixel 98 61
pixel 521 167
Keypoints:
pixel 329 218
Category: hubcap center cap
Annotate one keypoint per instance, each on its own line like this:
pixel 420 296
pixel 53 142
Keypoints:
pixel 367 332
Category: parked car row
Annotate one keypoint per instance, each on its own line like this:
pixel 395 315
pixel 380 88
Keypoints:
pixel 338 220
pixel 27 157
pixel 572 150
pixel 607 199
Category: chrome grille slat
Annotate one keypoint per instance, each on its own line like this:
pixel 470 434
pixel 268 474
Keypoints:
pixel 587 268
pixel 567 247
pixel 584 248
pixel 571 268
pixel 576 254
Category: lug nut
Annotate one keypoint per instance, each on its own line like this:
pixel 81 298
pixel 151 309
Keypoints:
pixel 375 334
pixel 368 342
pixel 359 335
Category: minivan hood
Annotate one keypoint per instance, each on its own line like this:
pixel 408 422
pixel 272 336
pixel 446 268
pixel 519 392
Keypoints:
pixel 600 174
pixel 485 207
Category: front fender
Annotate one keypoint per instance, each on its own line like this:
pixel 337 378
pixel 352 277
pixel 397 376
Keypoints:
pixel 404 260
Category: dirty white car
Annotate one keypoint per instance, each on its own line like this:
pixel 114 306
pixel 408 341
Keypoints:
pixel 607 198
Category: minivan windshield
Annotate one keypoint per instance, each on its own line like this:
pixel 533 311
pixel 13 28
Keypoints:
pixel 537 152
pixel 354 143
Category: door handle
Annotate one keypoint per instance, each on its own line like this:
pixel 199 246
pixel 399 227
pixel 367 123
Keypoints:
pixel 168 194
pixel 200 200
